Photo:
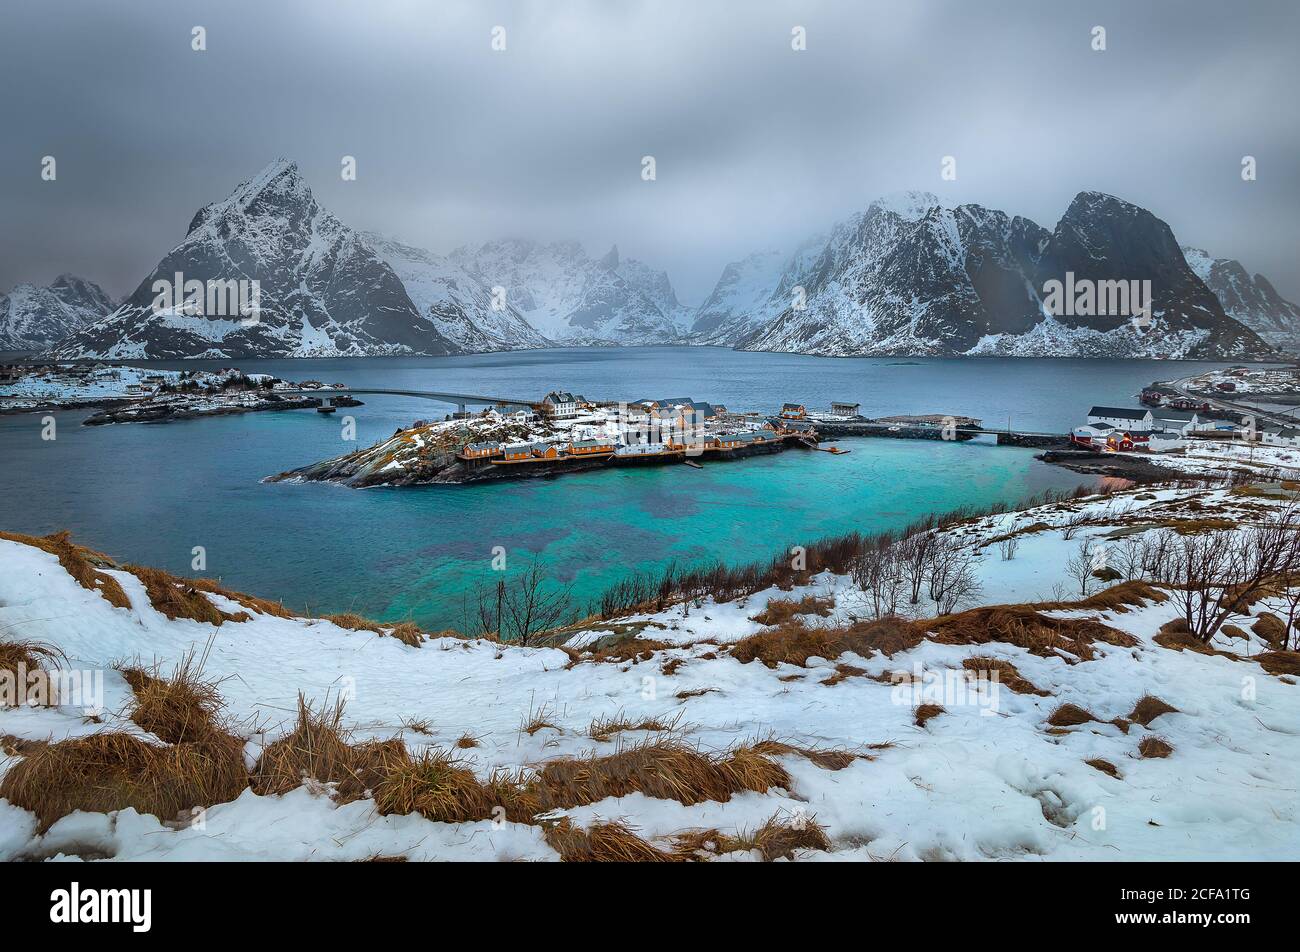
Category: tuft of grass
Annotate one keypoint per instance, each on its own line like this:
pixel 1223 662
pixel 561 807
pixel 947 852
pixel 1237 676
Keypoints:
pixel 1105 766
pixel 1069 715
pixel 789 643
pixel 317 749
pixel 1279 662
pixel 408 633
pixel 777 838
pixel 434 786
pixel 1270 629
pixel 611 842
pixel 1148 708
pixel 466 742
pixel 826 759
pixel 1025 627
pixel 179 598
pixel 81 563
pixel 924 712
pixel 31 666
pixel 781 610
pixel 537 720
pixel 178 708
pixel 1153 746
pixel 663 769
pixel 260 605
pixel 354 622
pixel 603 728
pixel 112 771
pixel 1007 674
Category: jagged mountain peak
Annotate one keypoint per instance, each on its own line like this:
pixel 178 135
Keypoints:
pixel 610 261
pixel 34 318
pixel 909 204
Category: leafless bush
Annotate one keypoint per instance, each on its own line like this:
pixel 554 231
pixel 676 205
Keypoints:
pixel 1007 547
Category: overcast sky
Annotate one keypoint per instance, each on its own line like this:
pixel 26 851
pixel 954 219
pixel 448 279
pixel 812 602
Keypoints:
pixel 756 145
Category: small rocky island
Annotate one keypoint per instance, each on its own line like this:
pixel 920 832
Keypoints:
pixel 123 394
pixel 562 434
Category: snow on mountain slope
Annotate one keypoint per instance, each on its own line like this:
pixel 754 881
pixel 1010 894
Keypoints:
pixel 909 277
pixel 751 292
pixel 458 304
pixel 323 290
pixel 35 318
pixel 1250 299
pixel 574 299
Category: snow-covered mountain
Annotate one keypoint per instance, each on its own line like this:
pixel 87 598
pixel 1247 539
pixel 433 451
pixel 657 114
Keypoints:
pixel 910 277
pixel 575 299
pixel 456 303
pixel 1250 299
pixel 35 318
pixel 324 291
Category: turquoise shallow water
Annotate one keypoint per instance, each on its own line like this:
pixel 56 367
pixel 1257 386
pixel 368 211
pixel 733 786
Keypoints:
pixel 150 493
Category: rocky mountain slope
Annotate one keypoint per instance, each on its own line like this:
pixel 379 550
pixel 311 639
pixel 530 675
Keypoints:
pixel 910 277
pixel 1250 299
pixel 457 304
pixel 574 299
pixel 323 290
pixel 35 318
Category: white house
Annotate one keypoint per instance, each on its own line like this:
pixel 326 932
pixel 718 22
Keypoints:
pixel 1120 417
pixel 1175 421
pixel 1280 435
pixel 560 405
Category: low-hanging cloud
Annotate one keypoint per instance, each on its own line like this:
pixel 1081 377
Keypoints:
pixel 756 145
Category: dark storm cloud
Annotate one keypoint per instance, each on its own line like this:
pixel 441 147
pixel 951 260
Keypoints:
pixel 756 145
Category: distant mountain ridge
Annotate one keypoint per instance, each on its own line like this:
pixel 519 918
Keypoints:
pixel 33 318
pixel 905 277
pixel 577 300
pixel 908 277
pixel 1250 299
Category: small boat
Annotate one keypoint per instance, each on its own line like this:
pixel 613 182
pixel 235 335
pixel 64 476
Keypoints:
pixel 691 462
pixel 326 409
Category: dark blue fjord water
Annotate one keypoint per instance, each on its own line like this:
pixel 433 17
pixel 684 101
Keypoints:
pixel 149 494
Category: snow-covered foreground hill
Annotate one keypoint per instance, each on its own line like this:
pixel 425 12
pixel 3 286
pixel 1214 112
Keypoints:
pixel 838 741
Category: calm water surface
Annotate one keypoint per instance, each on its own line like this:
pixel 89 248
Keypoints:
pixel 149 494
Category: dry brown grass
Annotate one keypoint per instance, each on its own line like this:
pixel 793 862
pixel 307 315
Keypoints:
pixel 354 622
pixel 924 712
pixel 434 786
pixel 260 605
pixel 604 843
pixel 466 742
pixel 1279 662
pixel 603 728
pixel 1118 598
pixel 408 633
pixel 1177 636
pixel 826 759
pixel 1007 674
pixel 790 643
pixel 178 708
pixel 1148 708
pixel 1105 766
pixel 663 769
pixel 842 673
pixel 81 563
pixel 31 666
pixel 318 749
pixel 1027 628
pixel 112 771
pixel 780 610
pixel 176 597
pixel 1069 715
pixel 536 720
pixel 1270 629
pixel 1152 746
pixel 777 838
